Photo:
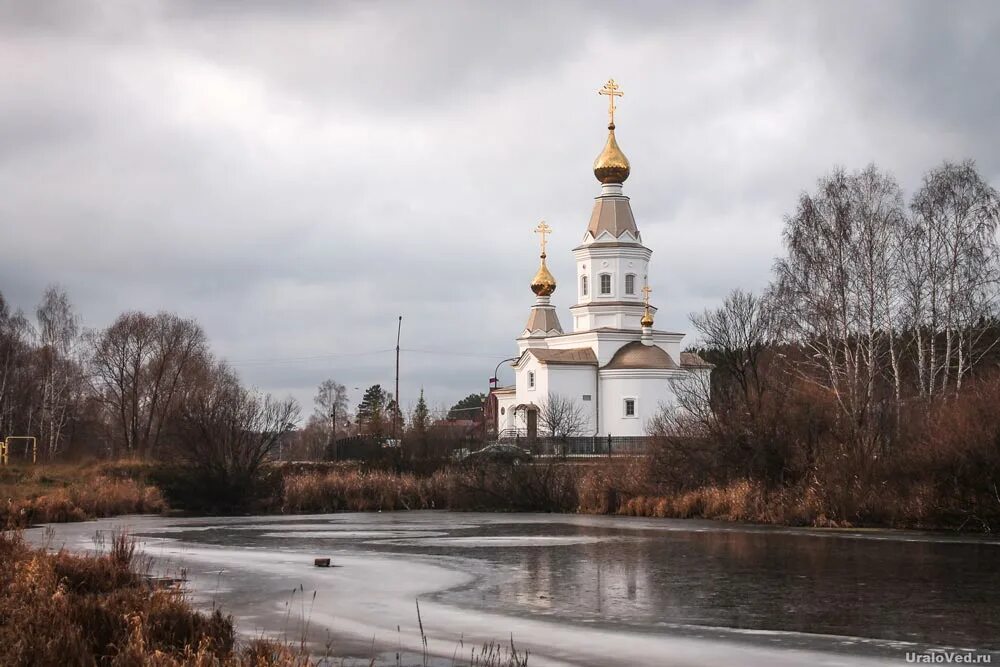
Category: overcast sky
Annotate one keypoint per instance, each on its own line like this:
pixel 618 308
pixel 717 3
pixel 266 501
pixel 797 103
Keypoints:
pixel 296 175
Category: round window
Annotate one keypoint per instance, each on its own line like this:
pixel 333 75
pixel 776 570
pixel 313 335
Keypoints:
pixel 503 411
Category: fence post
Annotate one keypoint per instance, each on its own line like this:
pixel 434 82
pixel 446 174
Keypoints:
pixel 609 445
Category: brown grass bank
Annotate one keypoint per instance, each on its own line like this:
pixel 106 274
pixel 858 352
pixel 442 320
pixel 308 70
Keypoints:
pixel 64 609
pixel 621 487
pixel 47 494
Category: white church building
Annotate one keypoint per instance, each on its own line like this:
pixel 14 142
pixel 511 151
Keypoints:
pixel 612 362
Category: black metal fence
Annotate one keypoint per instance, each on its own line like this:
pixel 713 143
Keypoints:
pixel 357 447
pixel 580 446
pixel 371 448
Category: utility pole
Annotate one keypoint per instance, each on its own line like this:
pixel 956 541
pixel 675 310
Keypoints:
pixel 395 414
pixel 332 445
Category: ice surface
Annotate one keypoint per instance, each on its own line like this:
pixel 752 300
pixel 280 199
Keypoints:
pixel 469 592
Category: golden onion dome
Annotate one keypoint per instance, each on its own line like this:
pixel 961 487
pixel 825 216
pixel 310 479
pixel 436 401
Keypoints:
pixel 647 319
pixel 611 166
pixel 544 283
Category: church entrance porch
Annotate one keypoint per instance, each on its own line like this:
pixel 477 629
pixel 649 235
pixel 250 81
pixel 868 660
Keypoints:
pixel 532 421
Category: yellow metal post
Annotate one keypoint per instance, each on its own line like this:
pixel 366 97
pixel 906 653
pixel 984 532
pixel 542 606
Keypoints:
pixel 5 447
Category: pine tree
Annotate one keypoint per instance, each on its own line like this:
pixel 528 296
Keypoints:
pixel 420 415
pixel 375 411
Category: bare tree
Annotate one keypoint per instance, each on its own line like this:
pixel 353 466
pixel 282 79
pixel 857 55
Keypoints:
pixel 838 290
pixel 230 431
pixel 331 405
pixel 952 273
pixel 561 416
pixel 739 333
pixel 16 371
pixel 140 366
pixel 60 370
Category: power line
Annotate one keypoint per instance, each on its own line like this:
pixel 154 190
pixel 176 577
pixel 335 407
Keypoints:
pixel 452 353
pixel 315 357
pixel 267 361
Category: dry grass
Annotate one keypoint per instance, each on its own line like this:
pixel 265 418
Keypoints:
pixel 48 494
pixel 357 491
pixel 622 487
pixel 65 609
pixel 545 488
pixel 805 505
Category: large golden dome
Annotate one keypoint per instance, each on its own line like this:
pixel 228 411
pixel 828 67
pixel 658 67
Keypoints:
pixel 611 166
pixel 544 283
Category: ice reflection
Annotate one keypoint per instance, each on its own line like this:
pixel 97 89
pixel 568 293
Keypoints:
pixel 911 591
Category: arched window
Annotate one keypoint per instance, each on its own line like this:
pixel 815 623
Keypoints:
pixel 605 283
pixel 583 285
pixel 630 283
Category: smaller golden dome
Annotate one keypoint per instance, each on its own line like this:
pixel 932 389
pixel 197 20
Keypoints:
pixel 647 318
pixel 544 283
pixel 611 166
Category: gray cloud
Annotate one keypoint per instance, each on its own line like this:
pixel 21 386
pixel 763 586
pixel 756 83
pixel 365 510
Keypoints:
pixel 294 176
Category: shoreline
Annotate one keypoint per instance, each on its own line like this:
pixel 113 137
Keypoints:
pixel 66 493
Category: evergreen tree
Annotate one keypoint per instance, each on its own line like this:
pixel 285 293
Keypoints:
pixel 375 411
pixel 467 407
pixel 420 416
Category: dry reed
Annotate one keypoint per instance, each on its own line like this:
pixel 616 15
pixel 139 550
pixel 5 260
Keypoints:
pixel 65 609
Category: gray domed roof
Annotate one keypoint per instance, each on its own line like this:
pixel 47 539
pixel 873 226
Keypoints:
pixel 638 355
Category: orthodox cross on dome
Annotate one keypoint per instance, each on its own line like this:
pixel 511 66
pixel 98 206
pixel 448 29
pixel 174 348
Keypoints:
pixel 543 230
pixel 612 90
pixel 647 317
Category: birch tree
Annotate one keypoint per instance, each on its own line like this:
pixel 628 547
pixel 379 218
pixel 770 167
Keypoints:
pixel 952 274
pixel 838 290
pixel 331 405
pixel 17 380
pixel 59 366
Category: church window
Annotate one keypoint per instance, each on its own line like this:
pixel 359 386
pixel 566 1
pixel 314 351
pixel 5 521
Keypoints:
pixel 583 285
pixel 531 379
pixel 630 407
pixel 586 397
pixel 630 283
pixel 605 283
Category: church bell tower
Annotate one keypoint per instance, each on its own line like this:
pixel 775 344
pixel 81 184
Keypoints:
pixel 611 262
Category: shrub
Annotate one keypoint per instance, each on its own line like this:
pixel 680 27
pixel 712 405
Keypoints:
pixel 65 609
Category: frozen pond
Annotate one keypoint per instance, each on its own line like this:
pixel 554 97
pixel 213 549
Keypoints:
pixel 582 590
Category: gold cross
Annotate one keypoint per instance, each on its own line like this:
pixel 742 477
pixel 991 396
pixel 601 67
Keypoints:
pixel 645 295
pixel 612 90
pixel 543 229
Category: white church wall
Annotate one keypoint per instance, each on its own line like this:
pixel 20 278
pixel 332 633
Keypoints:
pixel 649 389
pixel 505 410
pixel 527 394
pixel 574 383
